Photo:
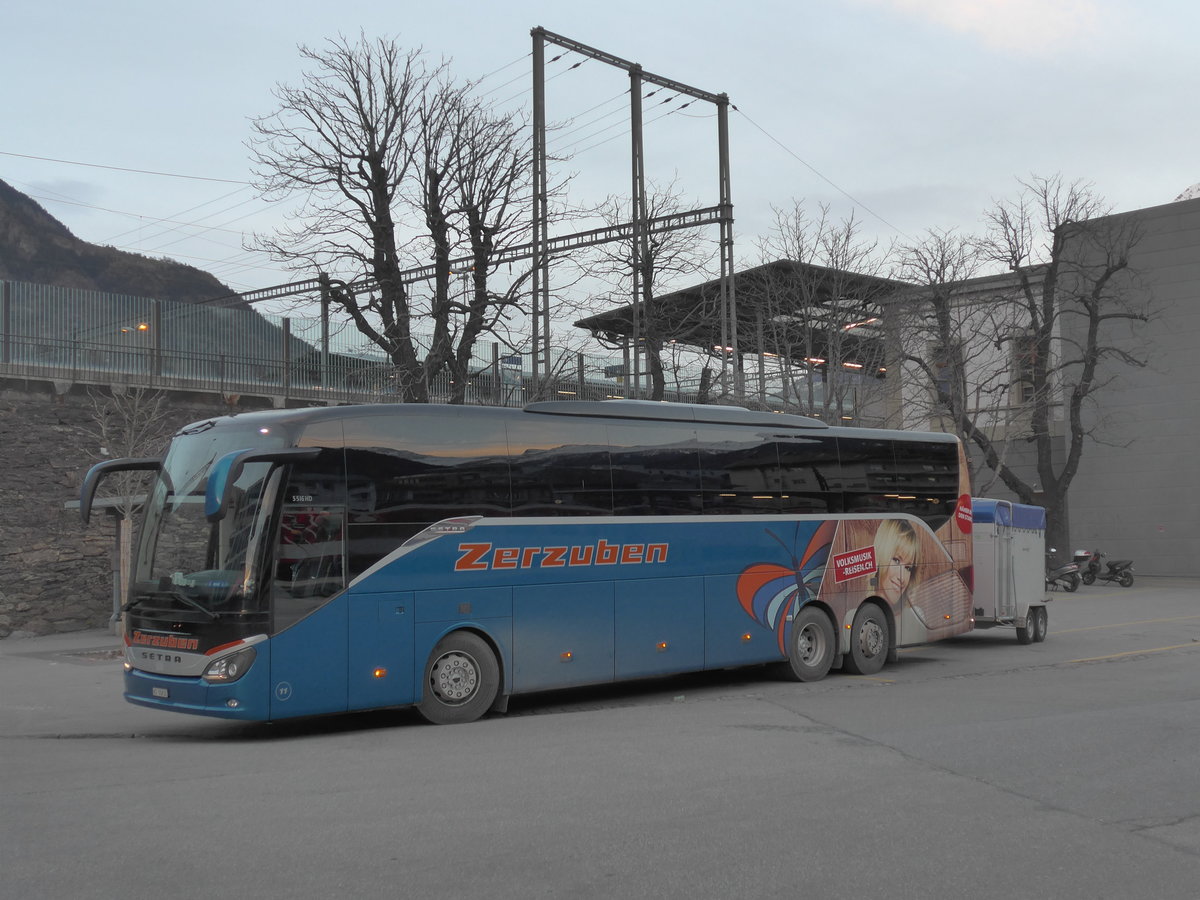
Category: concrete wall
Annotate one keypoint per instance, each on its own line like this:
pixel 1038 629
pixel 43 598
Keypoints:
pixel 1138 494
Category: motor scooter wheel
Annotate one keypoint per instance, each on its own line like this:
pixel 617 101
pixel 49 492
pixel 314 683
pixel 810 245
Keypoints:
pixel 1071 583
pixel 1125 579
pixel 1089 577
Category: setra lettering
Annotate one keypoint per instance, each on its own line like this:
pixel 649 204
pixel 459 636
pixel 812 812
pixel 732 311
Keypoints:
pixel 160 657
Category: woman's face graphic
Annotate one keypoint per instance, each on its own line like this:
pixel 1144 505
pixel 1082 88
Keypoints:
pixel 894 575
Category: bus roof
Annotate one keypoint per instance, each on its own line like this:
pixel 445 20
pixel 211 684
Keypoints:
pixel 645 410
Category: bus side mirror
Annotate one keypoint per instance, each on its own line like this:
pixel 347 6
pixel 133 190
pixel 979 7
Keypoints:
pixel 98 472
pixel 226 471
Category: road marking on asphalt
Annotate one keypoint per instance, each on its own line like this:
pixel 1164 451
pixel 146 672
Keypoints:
pixel 1123 624
pixel 1135 652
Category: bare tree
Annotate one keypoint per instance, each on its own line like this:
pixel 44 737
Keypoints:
pixel 661 256
pixel 822 314
pixel 944 332
pixel 493 206
pixel 398 165
pixel 1012 360
pixel 126 423
pixel 132 422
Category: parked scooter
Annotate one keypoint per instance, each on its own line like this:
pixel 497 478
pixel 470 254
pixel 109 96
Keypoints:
pixel 1065 576
pixel 1118 570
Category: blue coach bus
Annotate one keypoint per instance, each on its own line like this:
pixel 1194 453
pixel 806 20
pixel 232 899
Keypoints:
pixel 315 561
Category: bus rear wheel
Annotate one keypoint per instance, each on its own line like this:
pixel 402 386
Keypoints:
pixel 812 648
pixel 869 641
pixel 462 679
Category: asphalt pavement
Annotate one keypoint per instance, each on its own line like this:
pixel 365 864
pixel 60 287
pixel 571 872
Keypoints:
pixel 974 767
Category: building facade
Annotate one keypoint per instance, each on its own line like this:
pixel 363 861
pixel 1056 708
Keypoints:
pixel 1137 495
pixel 1134 495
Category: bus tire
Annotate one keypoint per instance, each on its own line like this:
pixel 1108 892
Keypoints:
pixel 462 679
pixel 869 641
pixel 813 646
pixel 1041 626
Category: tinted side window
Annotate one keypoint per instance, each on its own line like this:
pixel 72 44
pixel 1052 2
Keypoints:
pixel 739 470
pixel 406 472
pixel 927 472
pixel 559 467
pixel 810 474
pixel 310 544
pixel 868 475
pixel 655 469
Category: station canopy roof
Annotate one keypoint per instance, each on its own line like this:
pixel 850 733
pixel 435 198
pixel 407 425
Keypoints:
pixel 789 309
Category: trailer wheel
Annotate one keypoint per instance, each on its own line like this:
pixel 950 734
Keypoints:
pixel 813 647
pixel 462 679
pixel 1041 624
pixel 1026 633
pixel 869 641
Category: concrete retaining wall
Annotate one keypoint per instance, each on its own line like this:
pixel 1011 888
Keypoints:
pixel 55 576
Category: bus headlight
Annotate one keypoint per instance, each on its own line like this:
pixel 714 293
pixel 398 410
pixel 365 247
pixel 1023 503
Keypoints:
pixel 229 668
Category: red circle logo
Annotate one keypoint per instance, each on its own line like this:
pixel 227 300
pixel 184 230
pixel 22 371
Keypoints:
pixel 962 514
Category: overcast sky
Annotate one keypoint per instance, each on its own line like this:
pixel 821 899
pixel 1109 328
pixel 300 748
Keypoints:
pixel 912 114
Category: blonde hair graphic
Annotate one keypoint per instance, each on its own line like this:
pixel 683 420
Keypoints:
pixel 897 558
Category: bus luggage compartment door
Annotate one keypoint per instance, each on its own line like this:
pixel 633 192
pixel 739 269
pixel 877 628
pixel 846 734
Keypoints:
pixel 381 641
pixel 562 635
pixel 659 627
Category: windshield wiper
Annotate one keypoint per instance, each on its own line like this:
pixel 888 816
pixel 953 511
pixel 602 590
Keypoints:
pixel 136 601
pixel 194 604
pixel 199 427
pixel 174 595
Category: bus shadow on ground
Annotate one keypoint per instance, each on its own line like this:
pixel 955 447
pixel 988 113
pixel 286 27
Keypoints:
pixel 590 698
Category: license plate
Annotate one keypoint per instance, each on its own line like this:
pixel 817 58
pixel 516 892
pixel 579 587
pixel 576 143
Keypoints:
pixel 160 692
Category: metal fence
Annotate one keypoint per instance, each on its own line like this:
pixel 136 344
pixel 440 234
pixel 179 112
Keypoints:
pixel 91 337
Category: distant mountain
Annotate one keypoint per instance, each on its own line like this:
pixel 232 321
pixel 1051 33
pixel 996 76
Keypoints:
pixel 105 288
pixel 35 247
pixel 1190 194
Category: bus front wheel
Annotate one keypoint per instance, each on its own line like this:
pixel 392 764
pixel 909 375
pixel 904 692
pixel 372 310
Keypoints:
pixel 462 679
pixel 869 641
pixel 813 646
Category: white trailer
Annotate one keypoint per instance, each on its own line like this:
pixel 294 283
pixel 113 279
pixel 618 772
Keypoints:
pixel 1009 546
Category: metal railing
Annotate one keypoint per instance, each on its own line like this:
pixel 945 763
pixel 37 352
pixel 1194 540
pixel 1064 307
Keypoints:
pixel 94 338
pixel 91 337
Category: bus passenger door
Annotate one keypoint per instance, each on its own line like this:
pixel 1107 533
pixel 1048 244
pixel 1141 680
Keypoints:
pixel 309 604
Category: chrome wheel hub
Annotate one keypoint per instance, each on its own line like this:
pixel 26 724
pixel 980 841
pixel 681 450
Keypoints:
pixel 454 677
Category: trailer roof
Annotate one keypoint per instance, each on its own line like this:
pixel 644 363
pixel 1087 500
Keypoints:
pixel 1003 512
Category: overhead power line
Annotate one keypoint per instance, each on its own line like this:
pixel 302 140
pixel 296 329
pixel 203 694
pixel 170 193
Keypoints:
pixel 820 175
pixel 72 162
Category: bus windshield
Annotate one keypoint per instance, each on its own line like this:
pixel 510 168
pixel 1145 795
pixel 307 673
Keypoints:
pixel 186 562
